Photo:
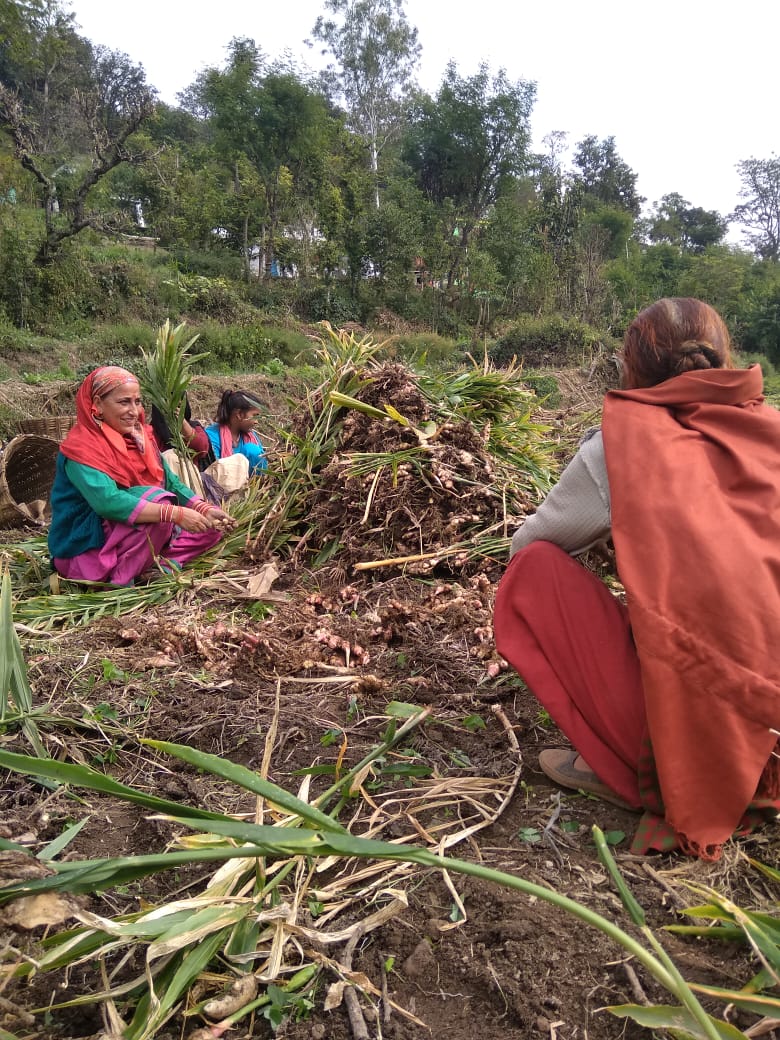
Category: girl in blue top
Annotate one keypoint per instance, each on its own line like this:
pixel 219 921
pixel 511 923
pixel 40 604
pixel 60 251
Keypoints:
pixel 233 433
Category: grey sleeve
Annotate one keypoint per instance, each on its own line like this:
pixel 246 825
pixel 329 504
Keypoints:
pixel 576 513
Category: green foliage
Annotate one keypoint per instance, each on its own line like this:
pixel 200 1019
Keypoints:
pixel 647 274
pixel 215 298
pixel 18 276
pixel 463 147
pixel 546 340
pixel 376 50
pixel 425 307
pixel 13 340
pixel 331 303
pixel 69 109
pixel 16 703
pixel 722 277
pixel 424 348
pixel 759 211
pixel 246 348
pixel 769 372
pixel 165 378
pixel 130 339
pixel 746 359
pixel 759 313
pixel 545 387
pixel 208 263
pixel 288 345
pixel 275 297
pixel 691 228
pixel 603 177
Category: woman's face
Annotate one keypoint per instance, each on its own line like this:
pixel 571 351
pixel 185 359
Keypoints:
pixel 247 419
pixel 121 408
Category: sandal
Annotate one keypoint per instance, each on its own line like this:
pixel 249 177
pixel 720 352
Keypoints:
pixel 569 769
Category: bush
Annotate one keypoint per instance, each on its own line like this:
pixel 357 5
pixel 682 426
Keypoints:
pixel 12 339
pixel 549 340
pixel 545 387
pixel 424 347
pixel 90 361
pixel 73 289
pixel 18 277
pixel 288 345
pixel 211 297
pixel 212 263
pixel 746 359
pixel 428 307
pixel 128 339
pixel 327 303
pixel 246 348
pixel 274 295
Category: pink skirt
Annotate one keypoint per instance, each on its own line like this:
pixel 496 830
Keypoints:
pixel 131 549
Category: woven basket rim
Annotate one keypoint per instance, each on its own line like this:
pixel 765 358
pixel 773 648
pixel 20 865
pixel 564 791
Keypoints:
pixel 39 461
pixel 48 425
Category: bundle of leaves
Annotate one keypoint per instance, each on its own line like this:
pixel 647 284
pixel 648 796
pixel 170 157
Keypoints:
pixel 414 481
pixel 383 467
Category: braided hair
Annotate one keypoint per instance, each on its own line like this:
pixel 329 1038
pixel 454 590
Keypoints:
pixel 672 336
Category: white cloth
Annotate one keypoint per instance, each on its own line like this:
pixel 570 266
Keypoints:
pixel 231 473
pixel 185 470
pixel 575 515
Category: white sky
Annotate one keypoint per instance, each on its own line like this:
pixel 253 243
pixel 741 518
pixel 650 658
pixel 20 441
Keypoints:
pixel 686 87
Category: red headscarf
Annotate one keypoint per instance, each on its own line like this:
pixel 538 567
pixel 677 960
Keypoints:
pixel 92 442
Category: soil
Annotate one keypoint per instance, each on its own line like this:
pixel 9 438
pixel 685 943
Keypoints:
pixel 308 686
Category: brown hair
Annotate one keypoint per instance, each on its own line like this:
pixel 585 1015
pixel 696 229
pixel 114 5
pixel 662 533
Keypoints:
pixel 673 336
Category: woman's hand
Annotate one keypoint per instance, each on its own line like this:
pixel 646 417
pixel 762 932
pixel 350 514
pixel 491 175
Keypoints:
pixel 190 520
pixel 222 519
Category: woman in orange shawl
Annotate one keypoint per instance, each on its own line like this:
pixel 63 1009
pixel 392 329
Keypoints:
pixel 117 510
pixel 673 701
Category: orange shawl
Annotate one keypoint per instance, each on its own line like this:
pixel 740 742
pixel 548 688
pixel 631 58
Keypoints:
pixel 97 445
pixel 694 476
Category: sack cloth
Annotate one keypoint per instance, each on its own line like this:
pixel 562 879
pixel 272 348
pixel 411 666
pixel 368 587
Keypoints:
pixel 231 473
pixel 185 470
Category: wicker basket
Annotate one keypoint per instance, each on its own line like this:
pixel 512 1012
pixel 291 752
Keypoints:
pixel 54 426
pixel 27 467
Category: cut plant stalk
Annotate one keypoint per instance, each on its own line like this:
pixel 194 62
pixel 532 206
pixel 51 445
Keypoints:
pixel 165 381
pixel 276 842
pixel 15 693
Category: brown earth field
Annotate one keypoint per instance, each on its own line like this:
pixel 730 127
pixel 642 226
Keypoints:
pixel 299 686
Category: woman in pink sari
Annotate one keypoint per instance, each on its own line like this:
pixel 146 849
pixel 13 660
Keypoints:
pixel 117 510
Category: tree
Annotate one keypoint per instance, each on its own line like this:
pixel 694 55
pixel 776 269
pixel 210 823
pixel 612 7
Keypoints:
pixel 603 177
pixel 721 276
pixel 274 121
pixel 690 228
pixel 69 111
pixel 465 145
pixel 759 213
pixel 377 52
pixel 44 61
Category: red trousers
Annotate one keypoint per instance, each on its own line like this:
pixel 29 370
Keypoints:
pixel 570 640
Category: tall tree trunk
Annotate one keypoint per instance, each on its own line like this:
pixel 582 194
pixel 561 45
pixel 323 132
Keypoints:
pixel 245 247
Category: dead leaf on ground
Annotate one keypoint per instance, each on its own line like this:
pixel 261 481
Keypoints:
pixel 261 582
pixel 335 995
pixel 45 908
